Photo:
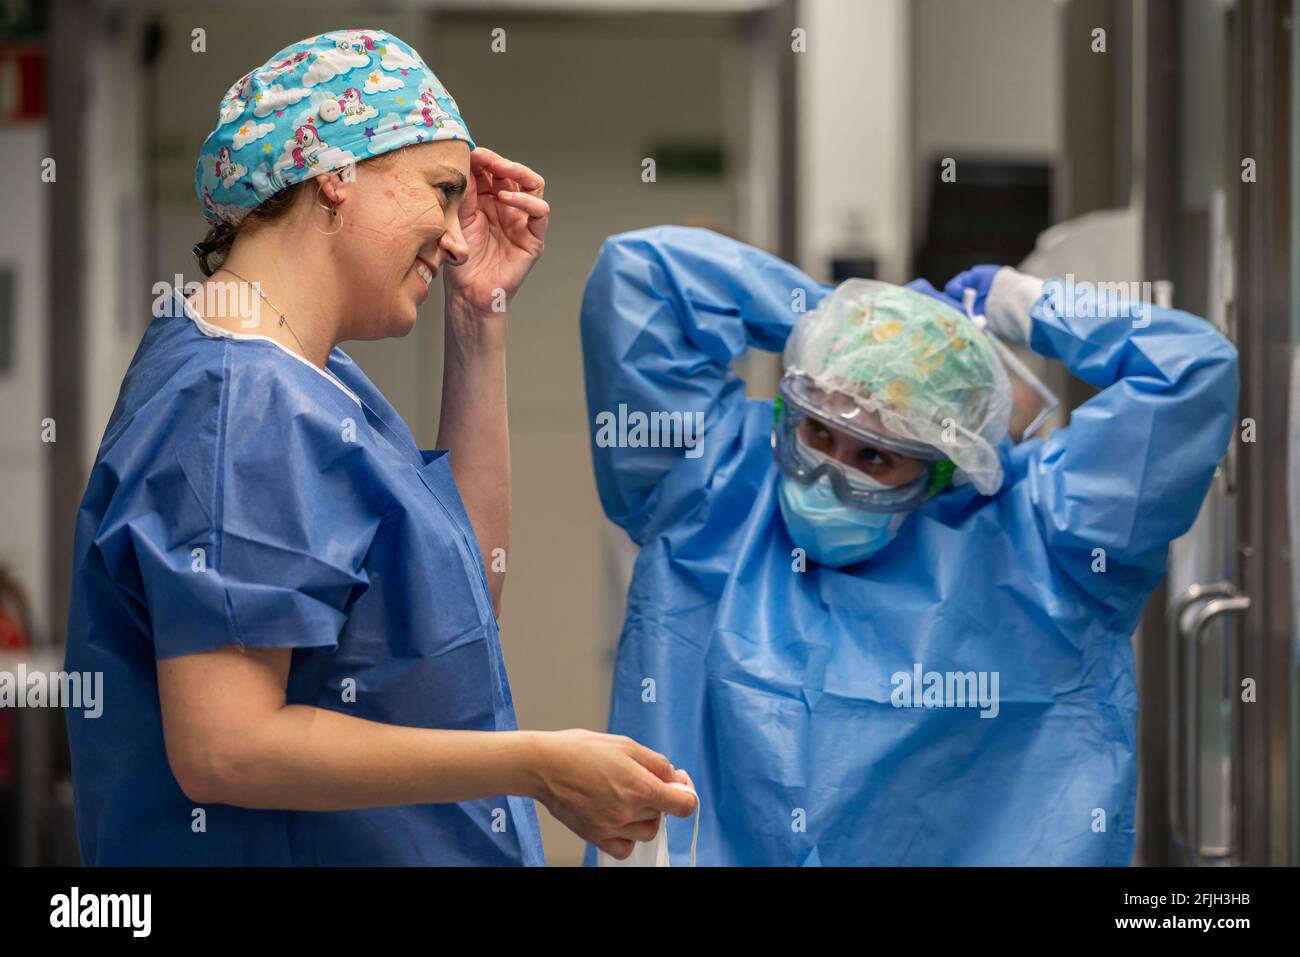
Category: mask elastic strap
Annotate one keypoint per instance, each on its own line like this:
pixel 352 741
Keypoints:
pixel 1011 360
pixel 695 835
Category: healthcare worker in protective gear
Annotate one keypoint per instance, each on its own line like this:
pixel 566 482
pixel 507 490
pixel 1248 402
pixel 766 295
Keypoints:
pixel 290 601
pixel 873 629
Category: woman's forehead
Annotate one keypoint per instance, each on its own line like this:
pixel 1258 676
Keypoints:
pixel 439 156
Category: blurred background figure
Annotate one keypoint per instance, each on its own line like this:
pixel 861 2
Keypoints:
pixel 1114 141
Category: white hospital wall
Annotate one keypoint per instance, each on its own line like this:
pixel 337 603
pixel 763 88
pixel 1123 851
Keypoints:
pixel 987 77
pixel 853 123
pixel 116 298
pixel 23 245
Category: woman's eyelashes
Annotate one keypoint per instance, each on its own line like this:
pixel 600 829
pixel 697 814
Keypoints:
pixel 449 191
pixel 874 459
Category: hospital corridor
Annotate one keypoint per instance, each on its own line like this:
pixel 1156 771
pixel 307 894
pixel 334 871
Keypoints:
pixel 587 433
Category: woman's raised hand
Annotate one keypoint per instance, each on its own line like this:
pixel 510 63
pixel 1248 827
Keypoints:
pixel 503 218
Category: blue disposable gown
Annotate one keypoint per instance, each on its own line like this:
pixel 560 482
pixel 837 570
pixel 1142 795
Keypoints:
pixel 242 496
pixel 772 687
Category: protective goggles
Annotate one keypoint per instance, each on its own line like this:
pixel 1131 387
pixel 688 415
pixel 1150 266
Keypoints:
pixel 796 411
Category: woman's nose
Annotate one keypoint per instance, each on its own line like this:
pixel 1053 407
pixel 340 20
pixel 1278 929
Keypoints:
pixel 453 245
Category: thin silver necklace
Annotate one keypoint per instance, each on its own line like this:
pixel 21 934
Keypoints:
pixel 284 320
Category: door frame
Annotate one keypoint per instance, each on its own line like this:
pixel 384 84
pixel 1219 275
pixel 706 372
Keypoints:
pixel 1262 131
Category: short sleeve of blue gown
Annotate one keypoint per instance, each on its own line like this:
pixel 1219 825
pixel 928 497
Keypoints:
pixel 246 504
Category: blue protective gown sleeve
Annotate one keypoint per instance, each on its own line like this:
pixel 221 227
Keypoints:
pixel 665 313
pixel 1129 474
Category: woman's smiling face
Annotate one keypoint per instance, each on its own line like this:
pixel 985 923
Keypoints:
pixel 401 225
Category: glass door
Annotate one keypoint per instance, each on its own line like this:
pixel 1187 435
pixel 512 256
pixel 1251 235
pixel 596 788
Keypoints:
pixel 1218 665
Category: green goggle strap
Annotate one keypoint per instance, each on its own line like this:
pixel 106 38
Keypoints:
pixel 941 476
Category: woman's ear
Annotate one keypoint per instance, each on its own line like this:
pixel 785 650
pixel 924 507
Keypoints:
pixel 334 187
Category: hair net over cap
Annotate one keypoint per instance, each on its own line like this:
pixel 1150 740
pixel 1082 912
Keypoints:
pixel 318 106
pixel 925 369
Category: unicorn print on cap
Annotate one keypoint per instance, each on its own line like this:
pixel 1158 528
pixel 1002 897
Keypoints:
pixel 429 112
pixel 227 170
pixel 302 149
pixel 357 40
pixel 354 111
pixel 318 106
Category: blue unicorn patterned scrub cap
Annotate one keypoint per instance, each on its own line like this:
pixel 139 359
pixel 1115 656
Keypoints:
pixel 315 107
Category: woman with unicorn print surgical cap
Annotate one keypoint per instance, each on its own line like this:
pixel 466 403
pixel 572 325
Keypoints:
pixel 291 603
pixel 870 627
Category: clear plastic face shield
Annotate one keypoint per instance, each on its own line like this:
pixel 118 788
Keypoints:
pixel 803 410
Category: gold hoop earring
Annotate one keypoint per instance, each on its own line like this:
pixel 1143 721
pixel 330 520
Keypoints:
pixel 334 214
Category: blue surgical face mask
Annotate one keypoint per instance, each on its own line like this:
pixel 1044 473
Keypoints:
pixel 829 532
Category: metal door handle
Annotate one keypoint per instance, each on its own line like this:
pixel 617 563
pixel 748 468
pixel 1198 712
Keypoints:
pixel 1205 615
pixel 1180 744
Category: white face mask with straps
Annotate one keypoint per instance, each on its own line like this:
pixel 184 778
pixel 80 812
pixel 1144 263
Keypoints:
pixel 654 853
